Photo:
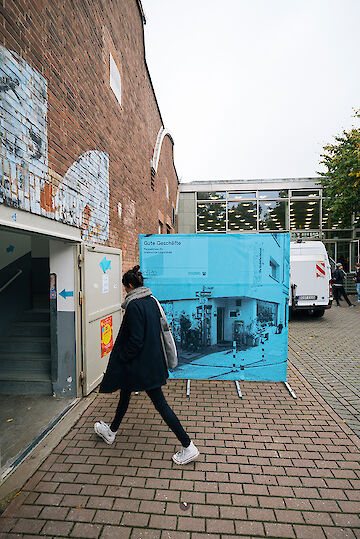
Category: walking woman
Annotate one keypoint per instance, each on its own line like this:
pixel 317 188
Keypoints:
pixel 137 363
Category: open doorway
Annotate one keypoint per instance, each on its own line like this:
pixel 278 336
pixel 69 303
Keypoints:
pixel 29 373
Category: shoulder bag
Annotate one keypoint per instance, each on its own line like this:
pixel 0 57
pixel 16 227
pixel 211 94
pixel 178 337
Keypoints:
pixel 167 340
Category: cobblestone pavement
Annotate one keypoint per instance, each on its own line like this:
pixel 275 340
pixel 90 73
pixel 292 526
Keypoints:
pixel 270 466
pixel 327 352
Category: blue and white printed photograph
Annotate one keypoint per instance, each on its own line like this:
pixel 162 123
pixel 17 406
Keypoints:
pixel 226 299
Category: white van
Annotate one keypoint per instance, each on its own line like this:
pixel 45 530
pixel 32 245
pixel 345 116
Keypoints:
pixel 310 278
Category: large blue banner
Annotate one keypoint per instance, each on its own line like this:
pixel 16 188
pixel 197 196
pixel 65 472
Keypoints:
pixel 226 299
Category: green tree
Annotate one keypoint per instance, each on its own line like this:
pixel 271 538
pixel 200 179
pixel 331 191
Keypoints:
pixel 341 180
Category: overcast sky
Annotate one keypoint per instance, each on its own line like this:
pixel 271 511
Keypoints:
pixel 253 88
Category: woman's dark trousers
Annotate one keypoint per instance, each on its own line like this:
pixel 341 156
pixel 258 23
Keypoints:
pixel 159 401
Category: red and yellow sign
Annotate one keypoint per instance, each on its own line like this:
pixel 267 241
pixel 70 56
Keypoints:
pixel 106 328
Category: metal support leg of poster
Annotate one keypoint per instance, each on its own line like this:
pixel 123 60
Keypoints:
pixel 188 388
pixel 292 393
pixel 238 389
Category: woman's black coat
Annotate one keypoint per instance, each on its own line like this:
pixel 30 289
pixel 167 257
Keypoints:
pixel 137 360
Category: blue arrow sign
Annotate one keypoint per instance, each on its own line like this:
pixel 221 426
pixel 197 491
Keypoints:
pixel 13 216
pixel 105 264
pixel 66 293
pixel 10 248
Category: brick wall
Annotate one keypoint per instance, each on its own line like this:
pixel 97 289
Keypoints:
pixel 69 150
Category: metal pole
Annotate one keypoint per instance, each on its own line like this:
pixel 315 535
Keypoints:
pixel 188 388
pixel 238 389
pixel 292 393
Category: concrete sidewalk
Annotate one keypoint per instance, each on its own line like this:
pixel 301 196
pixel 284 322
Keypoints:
pixel 270 466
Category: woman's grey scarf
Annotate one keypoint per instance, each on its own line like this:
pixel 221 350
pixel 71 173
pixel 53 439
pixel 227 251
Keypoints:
pixel 136 293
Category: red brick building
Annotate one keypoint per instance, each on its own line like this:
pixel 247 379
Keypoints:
pixel 73 149
pixel 86 164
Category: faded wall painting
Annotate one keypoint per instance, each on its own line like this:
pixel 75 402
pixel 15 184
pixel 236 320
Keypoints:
pixel 226 299
pixel 81 197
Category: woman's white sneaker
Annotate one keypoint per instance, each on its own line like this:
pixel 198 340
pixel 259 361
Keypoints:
pixel 186 454
pixel 103 430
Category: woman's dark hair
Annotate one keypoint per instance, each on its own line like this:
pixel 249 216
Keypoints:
pixel 133 277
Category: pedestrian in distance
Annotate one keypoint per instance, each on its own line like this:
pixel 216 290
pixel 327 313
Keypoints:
pixel 357 280
pixel 338 277
pixel 137 363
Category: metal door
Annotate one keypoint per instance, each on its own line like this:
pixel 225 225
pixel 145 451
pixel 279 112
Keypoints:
pixel 354 254
pixel 100 299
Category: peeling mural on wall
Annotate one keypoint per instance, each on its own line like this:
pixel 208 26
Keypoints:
pixel 89 175
pixel 81 197
pixel 23 132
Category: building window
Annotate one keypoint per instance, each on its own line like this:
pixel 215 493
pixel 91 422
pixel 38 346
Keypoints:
pixel 248 195
pixel 160 228
pixel 211 217
pixel 115 79
pixel 305 193
pixel 267 312
pixel 305 215
pixel 329 223
pixel 283 193
pixel 173 217
pixel 273 215
pixel 242 216
pixel 152 178
pixel 168 229
pixel 167 191
pixel 274 269
pixel 213 195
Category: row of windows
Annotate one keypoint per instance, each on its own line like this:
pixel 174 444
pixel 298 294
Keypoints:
pixel 266 215
pixel 261 195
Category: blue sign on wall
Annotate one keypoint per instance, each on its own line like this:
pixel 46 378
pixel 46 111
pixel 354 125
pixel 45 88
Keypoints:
pixel 226 299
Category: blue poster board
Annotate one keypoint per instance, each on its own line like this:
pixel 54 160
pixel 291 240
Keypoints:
pixel 226 299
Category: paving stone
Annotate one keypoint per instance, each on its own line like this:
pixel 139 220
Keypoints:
pixel 269 464
pixel 135 519
pixel 54 527
pixel 279 530
pixel 88 531
pixel 81 515
pixel 309 532
pixel 116 532
pixel 27 525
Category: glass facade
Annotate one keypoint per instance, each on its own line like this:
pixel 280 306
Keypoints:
pixel 213 195
pixel 262 210
pixel 246 195
pixel 306 193
pixel 305 214
pixel 273 215
pixel 211 217
pixel 302 212
pixel 283 193
pixel 242 216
